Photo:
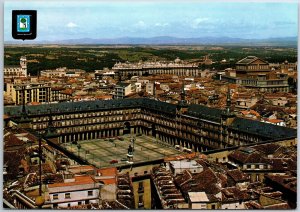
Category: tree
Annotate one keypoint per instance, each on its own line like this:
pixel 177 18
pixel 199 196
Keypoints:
pixel 23 21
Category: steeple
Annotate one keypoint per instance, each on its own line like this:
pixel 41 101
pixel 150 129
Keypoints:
pixel 227 113
pixel 228 101
pixel 182 105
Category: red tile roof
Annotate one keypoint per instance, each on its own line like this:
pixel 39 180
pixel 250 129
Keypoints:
pixel 238 176
pixel 79 180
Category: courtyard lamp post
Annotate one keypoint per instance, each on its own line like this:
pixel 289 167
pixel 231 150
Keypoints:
pixel 132 141
pixel 78 147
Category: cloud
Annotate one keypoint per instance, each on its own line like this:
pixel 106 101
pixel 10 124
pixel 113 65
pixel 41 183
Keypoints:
pixel 71 25
pixel 140 24
pixel 161 24
pixel 196 23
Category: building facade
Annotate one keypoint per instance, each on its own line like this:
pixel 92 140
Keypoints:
pixel 251 65
pixel 62 72
pixel 253 72
pixel 79 190
pixel 199 128
pixel 16 71
pixel 122 90
pixel 178 67
pixel 31 92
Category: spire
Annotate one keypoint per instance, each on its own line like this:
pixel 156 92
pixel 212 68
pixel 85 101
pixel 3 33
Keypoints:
pixel 228 101
pixel 182 106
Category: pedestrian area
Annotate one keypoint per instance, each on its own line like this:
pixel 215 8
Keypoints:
pixel 113 151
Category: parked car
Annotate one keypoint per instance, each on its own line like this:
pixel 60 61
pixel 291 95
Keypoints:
pixel 113 161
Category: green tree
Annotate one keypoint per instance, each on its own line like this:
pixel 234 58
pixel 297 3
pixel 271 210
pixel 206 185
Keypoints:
pixel 23 20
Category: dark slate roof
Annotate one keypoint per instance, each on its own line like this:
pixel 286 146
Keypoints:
pixel 208 113
pixel 68 107
pixel 158 105
pixel 269 131
pixel 248 60
pixel 263 129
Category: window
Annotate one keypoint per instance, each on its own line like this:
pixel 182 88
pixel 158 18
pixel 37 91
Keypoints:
pixel 87 202
pixel 213 206
pixel 55 196
pixel 145 172
pixel 90 193
pixel 79 203
pixel 69 204
pixel 141 187
pixel 67 196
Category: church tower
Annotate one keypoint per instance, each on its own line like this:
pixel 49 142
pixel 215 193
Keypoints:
pixel 182 105
pixel 23 63
pixel 227 117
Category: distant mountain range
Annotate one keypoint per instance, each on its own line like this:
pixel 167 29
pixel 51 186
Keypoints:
pixel 167 40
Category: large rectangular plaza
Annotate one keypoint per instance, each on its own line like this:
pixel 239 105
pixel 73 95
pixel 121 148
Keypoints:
pixel 113 151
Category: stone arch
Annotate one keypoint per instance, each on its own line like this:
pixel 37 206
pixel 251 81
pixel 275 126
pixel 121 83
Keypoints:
pixel 153 130
pixel 127 128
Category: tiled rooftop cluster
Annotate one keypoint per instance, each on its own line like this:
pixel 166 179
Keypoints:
pixel 124 191
pixel 235 188
pixel 169 195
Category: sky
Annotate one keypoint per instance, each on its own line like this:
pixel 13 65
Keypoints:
pixel 103 19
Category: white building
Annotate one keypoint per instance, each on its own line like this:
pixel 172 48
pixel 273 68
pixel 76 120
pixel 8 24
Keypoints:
pixel 150 88
pixel 181 165
pixel 79 190
pixel 123 89
pixel 198 200
pixel 138 86
pixel 62 72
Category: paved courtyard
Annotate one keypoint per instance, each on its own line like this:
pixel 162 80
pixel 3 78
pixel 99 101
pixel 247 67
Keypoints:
pixel 101 152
